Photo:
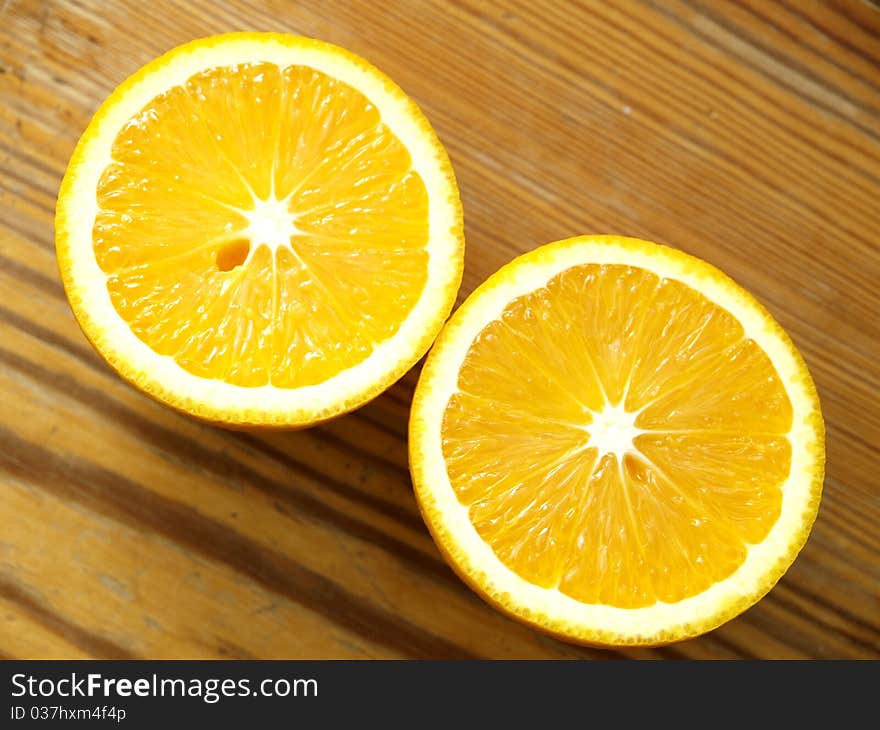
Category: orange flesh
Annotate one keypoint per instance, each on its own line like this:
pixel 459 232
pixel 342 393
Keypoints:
pixel 678 511
pixel 194 284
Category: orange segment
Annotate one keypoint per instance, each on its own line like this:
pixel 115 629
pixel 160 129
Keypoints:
pixel 606 560
pixel 734 390
pixel 529 366
pixel 143 219
pixel 733 479
pixel 678 339
pixel 520 474
pixel 235 113
pixel 329 124
pixel 293 301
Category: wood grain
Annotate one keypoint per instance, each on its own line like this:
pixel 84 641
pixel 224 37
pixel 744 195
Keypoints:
pixel 746 133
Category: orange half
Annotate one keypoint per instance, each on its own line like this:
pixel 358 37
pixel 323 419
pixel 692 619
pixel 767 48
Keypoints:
pixel 260 229
pixel 614 442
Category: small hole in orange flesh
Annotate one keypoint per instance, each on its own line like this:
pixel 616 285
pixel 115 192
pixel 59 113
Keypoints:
pixel 232 254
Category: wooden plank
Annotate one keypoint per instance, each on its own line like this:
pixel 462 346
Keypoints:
pixel 746 133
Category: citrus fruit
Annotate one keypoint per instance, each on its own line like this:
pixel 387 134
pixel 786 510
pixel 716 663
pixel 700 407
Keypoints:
pixel 260 229
pixel 615 443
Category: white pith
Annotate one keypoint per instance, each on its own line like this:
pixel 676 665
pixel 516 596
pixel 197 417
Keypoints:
pixel 548 607
pixel 613 430
pixel 270 223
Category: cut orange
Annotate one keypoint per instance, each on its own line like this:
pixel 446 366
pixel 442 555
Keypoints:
pixel 615 443
pixel 260 229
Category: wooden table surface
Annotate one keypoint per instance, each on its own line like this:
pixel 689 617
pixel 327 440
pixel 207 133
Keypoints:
pixel 747 134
